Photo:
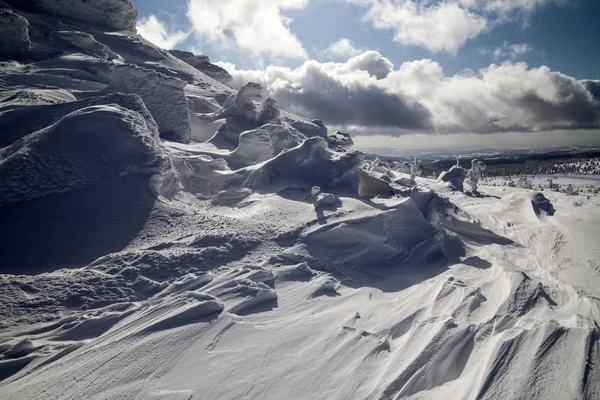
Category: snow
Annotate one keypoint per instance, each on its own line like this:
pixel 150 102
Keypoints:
pixel 14 34
pixel 163 96
pixel 116 15
pixel 164 236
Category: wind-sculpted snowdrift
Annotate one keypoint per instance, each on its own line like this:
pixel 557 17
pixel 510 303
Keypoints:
pixel 164 236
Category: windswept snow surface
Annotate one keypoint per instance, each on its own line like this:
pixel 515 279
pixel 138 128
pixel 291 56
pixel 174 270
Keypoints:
pixel 165 237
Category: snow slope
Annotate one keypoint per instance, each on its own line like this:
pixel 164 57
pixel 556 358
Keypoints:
pixel 179 240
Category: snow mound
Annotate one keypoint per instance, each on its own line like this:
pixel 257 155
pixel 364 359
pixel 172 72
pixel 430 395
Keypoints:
pixel 244 291
pixel 182 309
pixel 33 97
pixel 163 96
pixel 93 143
pixel 112 14
pixel 310 164
pixel 14 35
pixel 389 238
pixel 18 123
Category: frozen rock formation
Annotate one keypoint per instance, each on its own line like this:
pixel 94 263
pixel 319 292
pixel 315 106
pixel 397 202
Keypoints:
pixel 202 63
pixel 541 205
pixel 340 141
pixel 14 35
pixel 322 199
pixel 18 123
pixel 310 164
pixel 268 111
pixel 164 97
pixel 240 104
pixel 310 128
pixel 415 169
pixel 474 175
pixel 524 183
pixel 282 137
pixel 111 14
pixel 85 43
pixel 405 168
pixel 254 146
pixel 90 144
pixel 455 176
pixel 370 185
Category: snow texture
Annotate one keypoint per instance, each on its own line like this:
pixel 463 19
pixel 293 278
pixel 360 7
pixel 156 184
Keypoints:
pixel 163 96
pixel 14 35
pixel 85 146
pixel 111 14
pixel 202 63
pixel 265 259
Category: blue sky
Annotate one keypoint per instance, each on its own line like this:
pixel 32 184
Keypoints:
pixel 564 37
pixel 394 72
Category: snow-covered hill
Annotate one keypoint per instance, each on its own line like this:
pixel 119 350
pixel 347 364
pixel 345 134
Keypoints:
pixel 164 236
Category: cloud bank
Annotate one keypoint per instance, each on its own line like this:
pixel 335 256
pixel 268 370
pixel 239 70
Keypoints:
pixel 367 93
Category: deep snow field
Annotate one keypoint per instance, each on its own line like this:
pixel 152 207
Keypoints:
pixel 161 239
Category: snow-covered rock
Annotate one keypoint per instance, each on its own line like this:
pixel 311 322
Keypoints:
pixel 524 183
pixel 310 164
pixel 283 137
pixel 268 111
pixel 163 96
pixel 370 185
pixel 202 63
pixel 18 122
pixel 112 14
pixel 85 43
pixel 474 175
pixel 88 145
pixel 14 35
pixel 541 204
pixel 254 146
pixel 241 104
pixel 455 176
pixel 340 140
pixel 314 128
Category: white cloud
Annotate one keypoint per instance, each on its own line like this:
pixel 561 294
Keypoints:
pixel 255 26
pixel 367 94
pixel 445 25
pixel 511 50
pixel 155 31
pixel 343 49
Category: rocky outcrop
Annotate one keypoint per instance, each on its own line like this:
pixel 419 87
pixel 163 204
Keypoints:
pixel 163 96
pixel 84 43
pixel 202 63
pixel 268 111
pixel 114 15
pixel 14 35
